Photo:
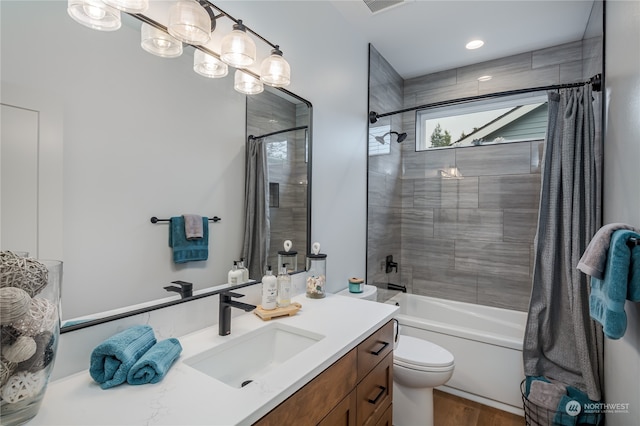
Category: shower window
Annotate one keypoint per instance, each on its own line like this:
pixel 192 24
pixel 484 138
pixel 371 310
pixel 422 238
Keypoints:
pixel 482 123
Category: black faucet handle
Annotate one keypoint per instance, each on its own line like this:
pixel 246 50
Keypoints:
pixel 232 294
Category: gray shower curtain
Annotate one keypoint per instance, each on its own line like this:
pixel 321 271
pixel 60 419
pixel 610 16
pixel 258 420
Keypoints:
pixel 561 341
pixel 257 228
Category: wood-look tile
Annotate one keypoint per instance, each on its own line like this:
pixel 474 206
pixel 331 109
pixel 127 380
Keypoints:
pixel 477 224
pixel 460 90
pixel 538 77
pixel 452 410
pixel 417 224
pixel 491 160
pixel 427 164
pixel 504 290
pixel 460 193
pixel 571 72
pixel 500 67
pixel 429 253
pixel 555 55
pixel 445 283
pixel 520 225
pixel 483 257
pixel 509 192
pixel 437 80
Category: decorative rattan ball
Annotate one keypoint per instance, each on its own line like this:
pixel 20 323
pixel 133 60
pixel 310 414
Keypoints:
pixel 8 335
pixel 23 349
pixel 22 272
pixel 6 370
pixel 14 303
pixel 41 316
pixel 23 385
pixel 44 353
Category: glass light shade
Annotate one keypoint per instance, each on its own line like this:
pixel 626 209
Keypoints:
pixel 238 49
pixel 159 43
pixel 275 71
pixel 130 6
pixel 209 66
pixel 247 84
pixel 94 14
pixel 189 23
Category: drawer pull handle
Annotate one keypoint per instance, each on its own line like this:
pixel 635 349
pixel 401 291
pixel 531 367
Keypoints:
pixel 374 401
pixel 384 345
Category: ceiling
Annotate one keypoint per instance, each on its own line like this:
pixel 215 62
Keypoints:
pixel 419 37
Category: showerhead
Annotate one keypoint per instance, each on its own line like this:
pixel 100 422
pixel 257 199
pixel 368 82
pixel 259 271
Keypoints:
pixel 401 137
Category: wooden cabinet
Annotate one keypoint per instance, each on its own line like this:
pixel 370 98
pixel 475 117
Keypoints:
pixel 355 390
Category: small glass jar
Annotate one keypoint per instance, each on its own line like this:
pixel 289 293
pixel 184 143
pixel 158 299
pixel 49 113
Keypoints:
pixel 316 275
pixel 290 258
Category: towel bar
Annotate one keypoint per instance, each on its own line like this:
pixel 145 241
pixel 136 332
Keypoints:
pixel 156 220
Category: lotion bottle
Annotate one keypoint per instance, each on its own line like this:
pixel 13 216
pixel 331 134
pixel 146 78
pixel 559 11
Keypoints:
pixel 235 275
pixel 269 290
pixel 245 271
pixel 284 287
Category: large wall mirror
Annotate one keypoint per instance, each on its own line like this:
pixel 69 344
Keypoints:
pixel 118 136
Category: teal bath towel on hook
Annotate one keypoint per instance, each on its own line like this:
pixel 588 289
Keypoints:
pixel 185 250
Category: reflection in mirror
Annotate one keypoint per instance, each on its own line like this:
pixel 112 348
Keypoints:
pixel 482 123
pixel 139 136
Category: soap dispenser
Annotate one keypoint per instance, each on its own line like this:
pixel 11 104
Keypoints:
pixel 235 275
pixel 245 271
pixel 284 287
pixel 269 290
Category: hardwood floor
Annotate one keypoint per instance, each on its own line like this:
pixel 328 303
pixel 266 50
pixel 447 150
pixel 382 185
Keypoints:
pixel 451 410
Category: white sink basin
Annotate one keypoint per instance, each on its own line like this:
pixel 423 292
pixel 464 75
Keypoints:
pixel 251 356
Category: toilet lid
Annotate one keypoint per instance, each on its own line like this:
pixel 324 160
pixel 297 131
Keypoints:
pixel 414 351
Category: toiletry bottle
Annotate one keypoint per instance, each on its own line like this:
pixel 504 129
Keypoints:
pixel 284 287
pixel 269 290
pixel 235 275
pixel 245 271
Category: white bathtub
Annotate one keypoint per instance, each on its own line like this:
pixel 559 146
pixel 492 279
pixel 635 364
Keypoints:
pixel 485 341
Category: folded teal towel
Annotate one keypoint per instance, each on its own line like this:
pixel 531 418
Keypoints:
pixel 621 280
pixel 154 364
pixel 582 415
pixel 185 250
pixel 112 359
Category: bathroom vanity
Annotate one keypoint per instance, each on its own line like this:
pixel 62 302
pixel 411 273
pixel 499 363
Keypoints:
pixel 339 371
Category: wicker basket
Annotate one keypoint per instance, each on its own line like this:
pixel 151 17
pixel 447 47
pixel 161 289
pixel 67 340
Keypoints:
pixel 535 415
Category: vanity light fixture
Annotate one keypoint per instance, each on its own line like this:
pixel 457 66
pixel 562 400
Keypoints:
pixel 129 6
pixel 275 70
pixel 159 43
pixel 209 66
pixel 190 22
pixel 94 14
pixel 238 49
pixel 474 44
pixel 246 83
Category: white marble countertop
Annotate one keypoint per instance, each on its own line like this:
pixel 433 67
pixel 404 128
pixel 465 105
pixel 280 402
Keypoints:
pixel 188 397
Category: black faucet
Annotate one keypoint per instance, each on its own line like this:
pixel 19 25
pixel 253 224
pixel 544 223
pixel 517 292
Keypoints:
pixel 224 310
pixel 185 289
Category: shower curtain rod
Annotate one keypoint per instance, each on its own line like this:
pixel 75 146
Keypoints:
pixel 278 132
pixel 595 82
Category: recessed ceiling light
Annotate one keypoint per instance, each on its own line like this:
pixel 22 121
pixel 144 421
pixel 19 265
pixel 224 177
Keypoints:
pixel 485 78
pixel 474 44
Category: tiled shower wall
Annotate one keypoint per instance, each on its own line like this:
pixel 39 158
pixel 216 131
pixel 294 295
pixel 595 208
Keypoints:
pixel 467 239
pixel 267 113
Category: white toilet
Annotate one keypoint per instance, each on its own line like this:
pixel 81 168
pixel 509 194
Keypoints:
pixel 418 367
pixel 369 292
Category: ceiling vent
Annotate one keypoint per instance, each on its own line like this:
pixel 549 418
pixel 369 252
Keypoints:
pixel 376 6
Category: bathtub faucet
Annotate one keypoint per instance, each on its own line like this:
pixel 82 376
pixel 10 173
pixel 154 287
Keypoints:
pixel 390 264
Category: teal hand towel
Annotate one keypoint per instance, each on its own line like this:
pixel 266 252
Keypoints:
pixel 185 250
pixel 608 295
pixel 155 363
pixel 112 359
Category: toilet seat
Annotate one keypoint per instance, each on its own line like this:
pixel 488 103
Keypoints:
pixel 419 354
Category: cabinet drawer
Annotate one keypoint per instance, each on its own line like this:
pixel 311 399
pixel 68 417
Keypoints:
pixel 316 399
pixel 375 392
pixel 344 414
pixel 374 349
pixel 387 417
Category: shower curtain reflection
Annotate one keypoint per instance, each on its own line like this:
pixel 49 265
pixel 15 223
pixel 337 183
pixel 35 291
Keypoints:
pixel 277 194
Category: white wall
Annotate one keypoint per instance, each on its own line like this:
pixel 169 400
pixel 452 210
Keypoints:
pixel 622 188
